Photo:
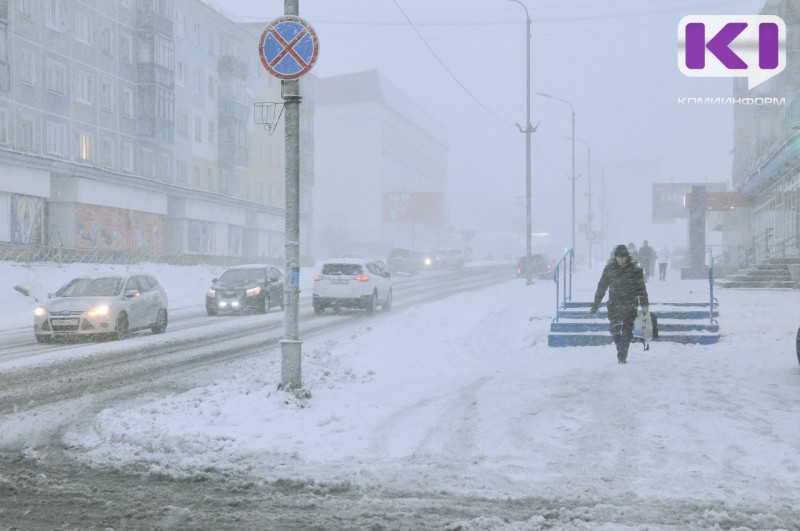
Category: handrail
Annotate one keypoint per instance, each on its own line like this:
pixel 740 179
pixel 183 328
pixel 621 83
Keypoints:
pixel 571 254
pixel 712 302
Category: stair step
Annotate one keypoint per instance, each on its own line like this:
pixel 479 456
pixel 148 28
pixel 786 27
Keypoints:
pixel 585 340
pixel 597 326
pixel 662 314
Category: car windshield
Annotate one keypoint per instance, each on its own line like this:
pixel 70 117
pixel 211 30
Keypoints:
pixel 342 269
pixel 91 287
pixel 242 275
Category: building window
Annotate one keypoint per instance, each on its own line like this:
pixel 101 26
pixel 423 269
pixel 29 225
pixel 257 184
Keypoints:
pixel 147 162
pixel 3 127
pixel 27 66
pixel 211 43
pixel 85 88
pixel 180 25
pixel 196 176
pixel 211 178
pixel 212 87
pixel 126 155
pixel 164 53
pixel 83 146
pixel 3 43
pixel 182 171
pixel 183 123
pixel 212 126
pixel 107 152
pixel 56 77
pixel 198 129
pixel 25 132
pixel 108 47
pixel 56 139
pixel 126 48
pixel 180 75
pixel 56 14
pixel 83 27
pixel 25 8
pixel 107 94
pixel 126 103
pixel 196 34
pixel 198 81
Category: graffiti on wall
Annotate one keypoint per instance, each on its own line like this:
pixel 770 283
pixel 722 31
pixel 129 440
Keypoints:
pixel 26 219
pixel 102 227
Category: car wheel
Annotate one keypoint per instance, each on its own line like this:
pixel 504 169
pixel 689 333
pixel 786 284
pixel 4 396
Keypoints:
pixel 43 339
pixel 122 331
pixel 373 302
pixel 265 304
pixel 388 304
pixel 798 345
pixel 319 309
pixel 160 326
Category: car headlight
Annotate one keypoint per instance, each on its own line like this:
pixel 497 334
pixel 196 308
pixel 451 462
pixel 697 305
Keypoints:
pixel 252 292
pixel 100 311
pixel 211 292
pixel 39 311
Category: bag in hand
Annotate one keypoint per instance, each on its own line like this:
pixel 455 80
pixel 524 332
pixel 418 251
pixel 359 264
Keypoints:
pixel 643 325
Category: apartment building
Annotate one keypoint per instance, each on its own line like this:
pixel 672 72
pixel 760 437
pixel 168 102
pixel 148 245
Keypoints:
pixel 129 125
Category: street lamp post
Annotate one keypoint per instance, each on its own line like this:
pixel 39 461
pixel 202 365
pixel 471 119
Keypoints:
pixel 589 213
pixel 571 108
pixel 528 130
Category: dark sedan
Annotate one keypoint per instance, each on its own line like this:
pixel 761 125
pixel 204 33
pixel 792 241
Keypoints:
pixel 247 288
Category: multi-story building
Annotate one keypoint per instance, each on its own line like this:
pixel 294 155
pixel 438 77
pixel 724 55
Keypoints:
pixel 128 125
pixel 383 182
pixel 766 158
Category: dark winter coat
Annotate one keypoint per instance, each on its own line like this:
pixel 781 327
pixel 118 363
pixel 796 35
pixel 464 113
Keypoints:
pixel 626 289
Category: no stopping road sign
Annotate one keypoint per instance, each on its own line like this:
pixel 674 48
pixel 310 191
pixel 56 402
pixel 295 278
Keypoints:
pixel 288 47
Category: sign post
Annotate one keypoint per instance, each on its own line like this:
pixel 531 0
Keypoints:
pixel 288 50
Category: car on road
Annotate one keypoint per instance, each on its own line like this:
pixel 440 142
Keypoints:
pixel 352 283
pixel 450 258
pixel 105 306
pixel 246 288
pixel 426 260
pixel 541 266
pixel 402 261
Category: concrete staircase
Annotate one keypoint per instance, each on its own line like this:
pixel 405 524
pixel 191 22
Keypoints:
pixel 774 273
pixel 678 322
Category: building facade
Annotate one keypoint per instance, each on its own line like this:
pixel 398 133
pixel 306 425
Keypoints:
pixel 381 167
pixel 129 126
pixel 766 158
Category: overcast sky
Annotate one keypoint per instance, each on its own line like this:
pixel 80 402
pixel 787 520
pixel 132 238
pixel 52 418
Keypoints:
pixel 615 61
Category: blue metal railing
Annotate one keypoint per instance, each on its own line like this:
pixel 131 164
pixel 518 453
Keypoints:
pixel 567 261
pixel 712 301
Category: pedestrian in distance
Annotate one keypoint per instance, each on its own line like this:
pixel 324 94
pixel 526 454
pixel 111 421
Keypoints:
pixel 647 258
pixel 624 280
pixel 663 262
pixel 632 251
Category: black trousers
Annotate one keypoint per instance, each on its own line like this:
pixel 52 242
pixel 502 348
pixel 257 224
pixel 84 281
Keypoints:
pixel 622 332
pixel 662 271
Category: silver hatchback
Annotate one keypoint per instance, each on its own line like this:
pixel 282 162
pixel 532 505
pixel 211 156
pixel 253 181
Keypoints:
pixel 107 306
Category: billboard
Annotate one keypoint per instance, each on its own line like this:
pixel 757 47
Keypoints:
pixel 413 207
pixel 669 199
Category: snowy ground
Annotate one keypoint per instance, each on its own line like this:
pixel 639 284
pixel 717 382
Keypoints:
pixel 464 395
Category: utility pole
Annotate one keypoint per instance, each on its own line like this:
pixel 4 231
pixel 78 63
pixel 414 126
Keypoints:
pixel 528 131
pixel 291 346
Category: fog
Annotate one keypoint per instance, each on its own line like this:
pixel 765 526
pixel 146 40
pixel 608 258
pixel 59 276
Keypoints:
pixel 614 61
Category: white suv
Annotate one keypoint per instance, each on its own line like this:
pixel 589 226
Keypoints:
pixel 352 283
pixel 451 258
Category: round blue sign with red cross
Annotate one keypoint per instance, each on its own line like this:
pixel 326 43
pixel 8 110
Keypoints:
pixel 288 47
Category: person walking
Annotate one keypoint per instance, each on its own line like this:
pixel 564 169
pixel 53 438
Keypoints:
pixel 663 262
pixel 647 257
pixel 624 280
